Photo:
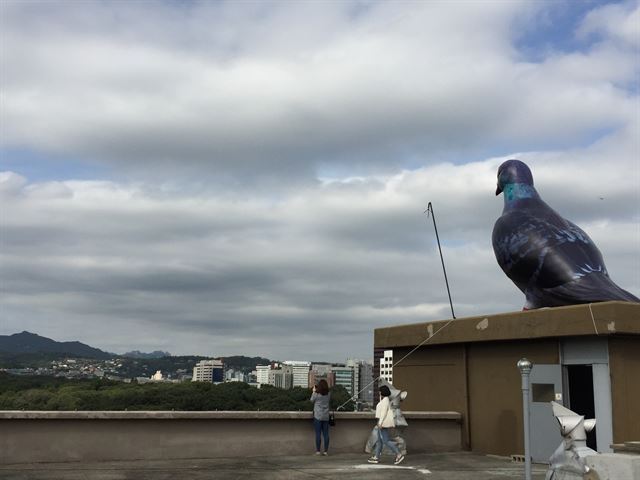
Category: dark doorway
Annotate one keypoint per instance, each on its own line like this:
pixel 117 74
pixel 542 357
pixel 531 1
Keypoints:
pixel 581 400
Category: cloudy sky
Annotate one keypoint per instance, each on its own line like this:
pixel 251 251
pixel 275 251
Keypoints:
pixel 223 178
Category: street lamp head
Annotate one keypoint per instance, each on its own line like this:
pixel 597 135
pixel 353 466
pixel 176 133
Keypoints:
pixel 524 366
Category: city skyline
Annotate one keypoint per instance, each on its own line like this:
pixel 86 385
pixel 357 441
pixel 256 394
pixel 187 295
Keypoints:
pixel 249 178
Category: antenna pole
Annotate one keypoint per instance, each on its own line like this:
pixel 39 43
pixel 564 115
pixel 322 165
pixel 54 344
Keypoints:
pixel 433 216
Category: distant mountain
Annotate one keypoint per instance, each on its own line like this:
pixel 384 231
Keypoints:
pixel 154 354
pixel 26 342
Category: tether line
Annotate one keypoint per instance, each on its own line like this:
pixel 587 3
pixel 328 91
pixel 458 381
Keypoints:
pixel 593 320
pixel 354 398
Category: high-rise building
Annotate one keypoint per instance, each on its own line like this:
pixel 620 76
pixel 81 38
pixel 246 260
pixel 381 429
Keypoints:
pixel 378 354
pixel 363 386
pixel 208 371
pixel 345 377
pixel 357 378
pixel 386 366
pixel 366 387
pixel 320 371
pixel 262 374
pixel 300 373
pixel 355 366
pixel 281 377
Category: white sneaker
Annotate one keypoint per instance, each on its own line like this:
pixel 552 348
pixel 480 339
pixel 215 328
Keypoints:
pixel 373 460
pixel 399 459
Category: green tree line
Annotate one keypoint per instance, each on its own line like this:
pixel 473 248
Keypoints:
pixel 132 367
pixel 48 393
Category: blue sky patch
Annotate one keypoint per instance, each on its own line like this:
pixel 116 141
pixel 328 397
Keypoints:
pixel 42 167
pixel 554 29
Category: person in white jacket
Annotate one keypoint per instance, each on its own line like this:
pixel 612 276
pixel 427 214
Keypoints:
pixel 384 414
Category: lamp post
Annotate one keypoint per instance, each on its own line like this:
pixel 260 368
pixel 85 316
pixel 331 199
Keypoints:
pixel 525 367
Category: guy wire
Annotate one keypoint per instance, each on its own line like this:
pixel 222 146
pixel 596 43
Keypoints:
pixel 433 216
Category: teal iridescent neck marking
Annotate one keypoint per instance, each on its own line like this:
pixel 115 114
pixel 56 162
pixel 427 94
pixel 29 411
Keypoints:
pixel 518 191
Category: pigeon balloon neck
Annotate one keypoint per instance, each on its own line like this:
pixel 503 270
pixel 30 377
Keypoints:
pixel 518 191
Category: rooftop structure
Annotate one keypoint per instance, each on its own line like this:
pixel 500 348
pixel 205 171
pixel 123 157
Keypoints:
pixel 584 356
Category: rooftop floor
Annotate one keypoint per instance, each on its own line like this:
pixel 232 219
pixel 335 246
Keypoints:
pixel 436 466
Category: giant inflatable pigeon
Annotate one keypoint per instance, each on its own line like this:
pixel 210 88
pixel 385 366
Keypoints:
pixel 549 258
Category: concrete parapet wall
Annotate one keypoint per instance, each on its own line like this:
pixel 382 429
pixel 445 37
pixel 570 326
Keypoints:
pixel 615 466
pixel 35 436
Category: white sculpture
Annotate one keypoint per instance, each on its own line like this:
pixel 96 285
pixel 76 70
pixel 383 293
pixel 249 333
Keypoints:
pixel 568 461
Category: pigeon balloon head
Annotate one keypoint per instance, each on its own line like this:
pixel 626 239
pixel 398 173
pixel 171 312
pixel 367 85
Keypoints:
pixel 513 171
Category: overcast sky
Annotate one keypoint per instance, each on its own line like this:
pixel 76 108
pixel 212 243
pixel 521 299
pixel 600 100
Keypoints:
pixel 249 178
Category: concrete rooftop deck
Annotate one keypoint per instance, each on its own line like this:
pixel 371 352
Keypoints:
pixel 435 466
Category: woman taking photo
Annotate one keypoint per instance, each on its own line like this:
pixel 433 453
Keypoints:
pixel 321 398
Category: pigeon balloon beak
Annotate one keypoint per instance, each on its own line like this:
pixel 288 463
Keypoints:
pixel 498 190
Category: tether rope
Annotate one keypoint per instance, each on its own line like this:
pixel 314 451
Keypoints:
pixel 593 320
pixel 354 397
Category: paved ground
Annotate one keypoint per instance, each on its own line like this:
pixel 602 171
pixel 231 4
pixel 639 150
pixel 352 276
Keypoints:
pixel 447 466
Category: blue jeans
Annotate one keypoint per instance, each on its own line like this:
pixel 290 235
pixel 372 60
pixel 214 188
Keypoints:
pixel 383 439
pixel 321 426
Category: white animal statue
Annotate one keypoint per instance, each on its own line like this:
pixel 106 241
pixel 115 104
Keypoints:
pixel 568 461
pixel 395 398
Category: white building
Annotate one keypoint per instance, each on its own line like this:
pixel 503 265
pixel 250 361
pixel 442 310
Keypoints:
pixel 386 366
pixel 232 375
pixel 208 371
pixel 262 374
pixel 300 373
pixel 157 377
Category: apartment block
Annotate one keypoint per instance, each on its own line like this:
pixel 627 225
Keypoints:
pixel 300 373
pixel 208 371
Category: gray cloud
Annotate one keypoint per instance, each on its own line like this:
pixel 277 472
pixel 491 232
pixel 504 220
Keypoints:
pixel 269 172
pixel 182 94
pixel 336 260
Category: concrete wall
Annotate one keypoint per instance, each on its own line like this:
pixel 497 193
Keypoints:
pixel 495 412
pixel 445 377
pixel 435 380
pixel 32 437
pixel 624 367
pixel 615 466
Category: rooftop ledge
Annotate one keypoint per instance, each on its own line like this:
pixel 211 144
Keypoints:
pixel 221 415
pixel 596 319
pixel 72 436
